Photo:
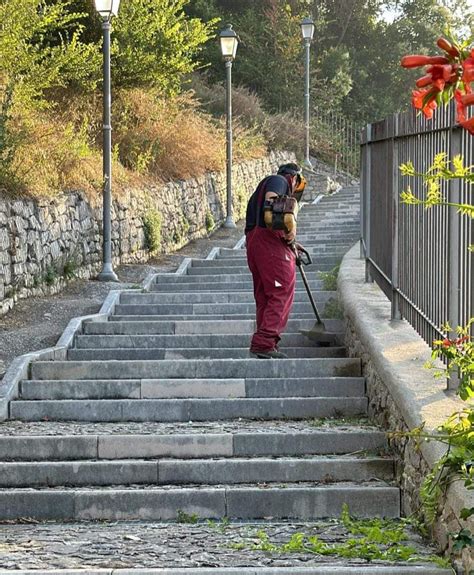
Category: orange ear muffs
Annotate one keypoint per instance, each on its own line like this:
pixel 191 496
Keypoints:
pixel 300 186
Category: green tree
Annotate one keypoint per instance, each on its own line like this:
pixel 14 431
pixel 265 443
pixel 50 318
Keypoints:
pixel 40 50
pixel 155 44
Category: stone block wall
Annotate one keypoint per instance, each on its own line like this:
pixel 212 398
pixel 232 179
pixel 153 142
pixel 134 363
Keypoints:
pixel 43 243
pixel 403 395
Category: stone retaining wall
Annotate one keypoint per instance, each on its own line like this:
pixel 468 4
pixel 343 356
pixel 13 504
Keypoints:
pixel 402 395
pixel 44 243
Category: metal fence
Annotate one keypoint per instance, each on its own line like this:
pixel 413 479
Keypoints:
pixel 419 257
pixel 335 140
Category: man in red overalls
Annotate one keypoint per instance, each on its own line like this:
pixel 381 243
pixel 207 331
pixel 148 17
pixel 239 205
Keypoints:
pixel 271 259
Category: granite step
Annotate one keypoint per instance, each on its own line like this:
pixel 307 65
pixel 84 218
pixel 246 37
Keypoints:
pixel 195 471
pixel 189 409
pixel 127 353
pixel 196 368
pixel 298 501
pixel 192 388
pixel 61 441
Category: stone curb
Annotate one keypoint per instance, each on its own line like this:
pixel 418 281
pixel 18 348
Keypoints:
pixel 240 244
pixel 212 255
pixel 398 354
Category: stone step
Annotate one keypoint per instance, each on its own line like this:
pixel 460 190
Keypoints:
pixel 181 341
pixel 238 262
pixel 199 309
pixel 128 298
pixel 195 471
pixel 298 501
pixel 196 368
pixel 182 388
pixel 202 285
pixel 51 440
pixel 188 318
pixel 202 327
pixel 126 354
pixel 230 277
pixel 323 249
pixel 215 409
pixel 243 270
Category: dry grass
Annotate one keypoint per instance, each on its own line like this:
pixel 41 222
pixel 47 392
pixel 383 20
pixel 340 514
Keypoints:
pixel 246 105
pixel 153 139
pixel 167 139
pixel 285 132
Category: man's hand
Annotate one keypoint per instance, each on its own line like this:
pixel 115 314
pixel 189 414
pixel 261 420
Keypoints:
pixel 290 237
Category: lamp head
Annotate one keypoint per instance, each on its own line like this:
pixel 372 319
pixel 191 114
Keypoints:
pixel 307 29
pixel 228 43
pixel 107 8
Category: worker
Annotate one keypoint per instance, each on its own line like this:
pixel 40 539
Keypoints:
pixel 271 258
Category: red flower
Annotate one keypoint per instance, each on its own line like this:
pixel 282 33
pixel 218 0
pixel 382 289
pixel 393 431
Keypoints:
pixel 460 107
pixel 414 61
pixel 448 47
pixel 467 99
pixel 425 100
pixel 446 342
pixel 468 72
pixel 468 125
pixel 417 60
pixel 441 75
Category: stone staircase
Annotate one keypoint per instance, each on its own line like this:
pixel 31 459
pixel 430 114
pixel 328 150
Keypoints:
pixel 160 411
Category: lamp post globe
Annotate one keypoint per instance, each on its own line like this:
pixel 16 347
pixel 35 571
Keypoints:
pixel 107 9
pixel 307 29
pixel 307 32
pixel 228 43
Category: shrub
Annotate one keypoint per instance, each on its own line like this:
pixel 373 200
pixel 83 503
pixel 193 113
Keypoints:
pixel 152 221
pixel 50 275
pixel 210 222
pixel 285 131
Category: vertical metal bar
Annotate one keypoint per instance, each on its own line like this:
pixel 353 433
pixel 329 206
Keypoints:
pixel 107 273
pixel 395 214
pixel 362 190
pixel 229 222
pixel 368 169
pixel 454 286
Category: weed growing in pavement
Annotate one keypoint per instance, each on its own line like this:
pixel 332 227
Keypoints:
pixel 333 309
pixel 339 421
pixel 369 539
pixel 183 517
pixel 220 526
pixel 329 278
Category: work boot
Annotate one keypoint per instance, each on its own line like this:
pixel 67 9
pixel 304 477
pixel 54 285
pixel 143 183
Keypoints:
pixel 270 354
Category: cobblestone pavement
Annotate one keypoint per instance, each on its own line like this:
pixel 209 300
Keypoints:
pixel 162 428
pixel 160 545
pixel 37 323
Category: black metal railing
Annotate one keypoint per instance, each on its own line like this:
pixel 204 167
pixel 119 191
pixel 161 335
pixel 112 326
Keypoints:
pixel 335 140
pixel 418 256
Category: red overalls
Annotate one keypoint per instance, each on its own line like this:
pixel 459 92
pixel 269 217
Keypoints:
pixel 272 263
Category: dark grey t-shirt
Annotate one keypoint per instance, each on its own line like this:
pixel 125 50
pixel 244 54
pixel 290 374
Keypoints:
pixel 278 185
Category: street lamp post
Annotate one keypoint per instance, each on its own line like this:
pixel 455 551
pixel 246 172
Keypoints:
pixel 307 31
pixel 107 9
pixel 229 42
